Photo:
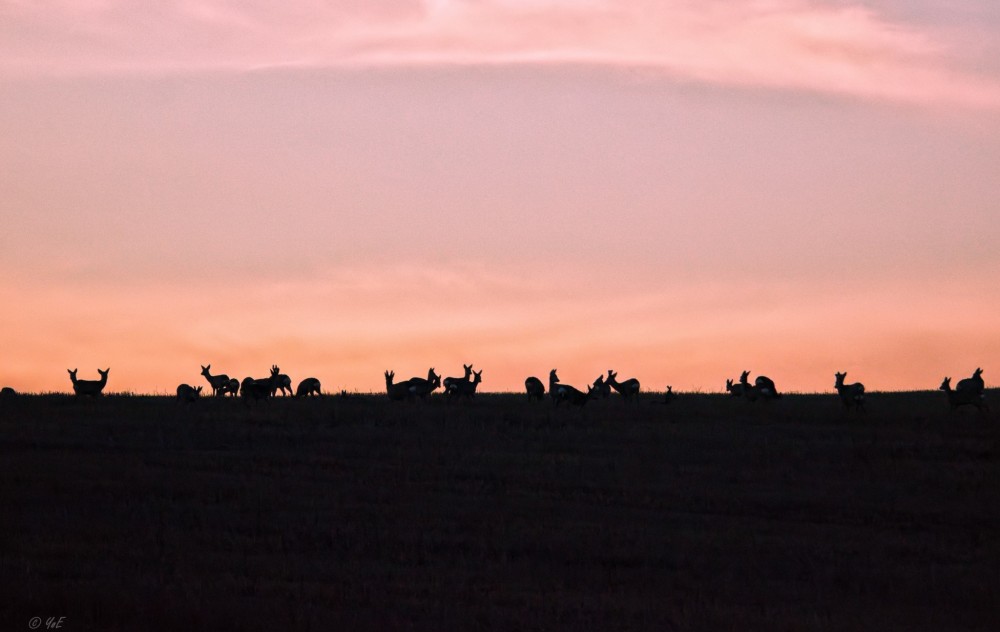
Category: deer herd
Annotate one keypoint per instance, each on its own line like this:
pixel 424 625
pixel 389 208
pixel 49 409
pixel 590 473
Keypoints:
pixel 970 391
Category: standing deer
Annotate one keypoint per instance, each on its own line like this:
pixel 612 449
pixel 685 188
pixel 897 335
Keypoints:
pixel 187 394
pixel 553 385
pixel 258 389
pixel 284 383
pixel 627 389
pixel 307 387
pixel 602 389
pixel 534 388
pixel 89 387
pixel 448 381
pixel 964 398
pixel 670 395
pixel 850 394
pixel 465 388
pixel 220 383
pixel 574 396
pixel 232 387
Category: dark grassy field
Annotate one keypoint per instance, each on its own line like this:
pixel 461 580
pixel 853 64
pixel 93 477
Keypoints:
pixel 131 513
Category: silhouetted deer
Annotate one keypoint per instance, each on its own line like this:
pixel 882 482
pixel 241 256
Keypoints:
pixel 669 396
pixel 220 383
pixel 627 389
pixel 746 388
pixel 233 387
pixel 262 388
pixel 423 387
pixel 308 387
pixel 397 391
pixel 187 394
pixel 448 381
pixel 465 388
pixel 553 385
pixel 850 394
pixel 534 388
pixel 89 387
pixel 763 387
pixel 964 398
pixel 601 388
pixel 574 396
pixel 566 393
pixel 283 384
pixel 974 384
pixel 736 390
pixel 411 388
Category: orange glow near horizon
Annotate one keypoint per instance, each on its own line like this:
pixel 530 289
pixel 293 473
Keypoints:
pixel 156 338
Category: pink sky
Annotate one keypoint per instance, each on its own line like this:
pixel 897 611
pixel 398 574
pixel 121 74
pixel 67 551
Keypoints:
pixel 676 190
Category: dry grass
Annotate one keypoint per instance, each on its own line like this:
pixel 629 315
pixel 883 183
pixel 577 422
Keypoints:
pixel 131 513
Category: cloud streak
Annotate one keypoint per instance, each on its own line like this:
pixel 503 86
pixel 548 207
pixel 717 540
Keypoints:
pixel 843 49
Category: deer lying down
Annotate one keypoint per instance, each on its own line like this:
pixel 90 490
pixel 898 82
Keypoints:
pixel 627 389
pixel 565 393
pixel 735 390
pixel 974 384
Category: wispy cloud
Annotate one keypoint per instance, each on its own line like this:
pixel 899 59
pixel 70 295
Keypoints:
pixel 809 45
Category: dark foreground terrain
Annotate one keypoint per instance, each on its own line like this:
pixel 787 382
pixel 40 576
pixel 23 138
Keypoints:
pixel 132 513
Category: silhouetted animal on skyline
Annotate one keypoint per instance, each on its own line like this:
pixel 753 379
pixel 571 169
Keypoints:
pixel 763 387
pixel 566 393
pixel 261 388
pixel 964 398
pixel 284 384
pixel 627 389
pixel 188 394
pixel 413 387
pixel 448 381
pixel 974 384
pixel 220 383
pixel 89 387
pixel 465 388
pixel 850 394
pixel 397 391
pixel 308 387
pixel 601 388
pixel 736 390
pixel 423 387
pixel 535 389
